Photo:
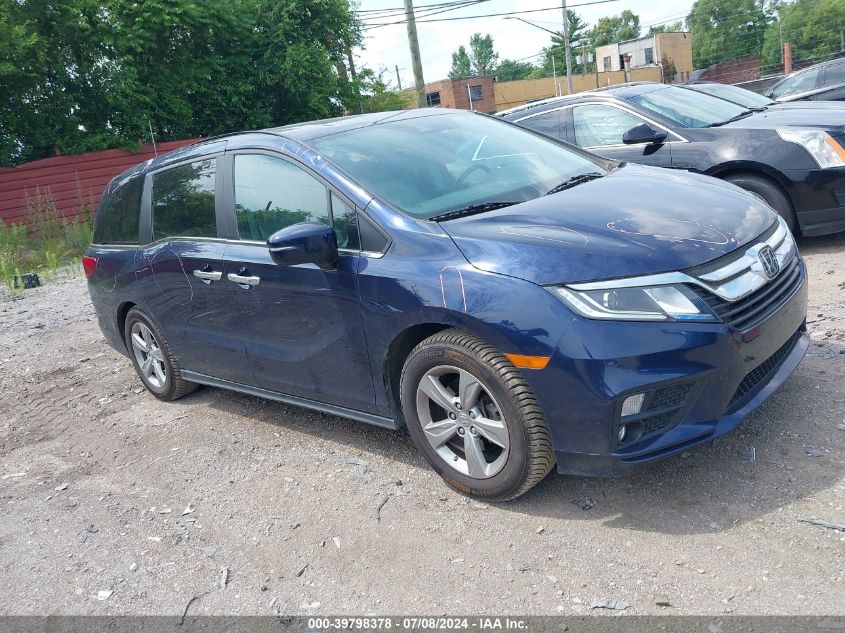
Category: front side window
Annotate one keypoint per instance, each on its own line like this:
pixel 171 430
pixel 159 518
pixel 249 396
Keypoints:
pixel 433 163
pixel 271 194
pixel 797 83
pixel 117 218
pixel 601 125
pixel 183 201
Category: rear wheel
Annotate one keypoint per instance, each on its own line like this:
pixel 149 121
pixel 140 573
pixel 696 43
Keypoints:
pixel 474 418
pixel 770 192
pixel 155 363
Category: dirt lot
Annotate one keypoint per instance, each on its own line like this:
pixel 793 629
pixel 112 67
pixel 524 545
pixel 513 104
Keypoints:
pixel 112 502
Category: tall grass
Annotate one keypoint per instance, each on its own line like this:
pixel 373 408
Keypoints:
pixel 50 240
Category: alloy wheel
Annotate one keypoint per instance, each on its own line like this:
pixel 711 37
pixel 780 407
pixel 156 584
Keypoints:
pixel 462 421
pixel 149 356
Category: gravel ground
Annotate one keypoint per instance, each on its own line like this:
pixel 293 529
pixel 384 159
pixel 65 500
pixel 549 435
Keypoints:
pixel 113 502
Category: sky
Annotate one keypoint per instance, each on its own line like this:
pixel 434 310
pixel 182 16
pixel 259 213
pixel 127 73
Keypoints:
pixel 387 46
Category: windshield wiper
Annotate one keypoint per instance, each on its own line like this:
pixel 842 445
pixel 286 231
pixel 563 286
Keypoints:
pixel 574 181
pixel 739 116
pixel 472 209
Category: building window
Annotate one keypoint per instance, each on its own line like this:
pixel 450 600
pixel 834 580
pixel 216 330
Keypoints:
pixel 475 93
pixel 606 64
pixel 649 56
pixel 432 99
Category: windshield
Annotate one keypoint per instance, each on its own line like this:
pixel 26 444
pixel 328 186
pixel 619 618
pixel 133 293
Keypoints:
pixel 740 96
pixel 432 165
pixel 687 107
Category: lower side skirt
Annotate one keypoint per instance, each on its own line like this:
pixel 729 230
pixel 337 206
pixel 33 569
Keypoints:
pixel 361 416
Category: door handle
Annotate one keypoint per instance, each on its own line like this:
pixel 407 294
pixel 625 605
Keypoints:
pixel 244 280
pixel 208 275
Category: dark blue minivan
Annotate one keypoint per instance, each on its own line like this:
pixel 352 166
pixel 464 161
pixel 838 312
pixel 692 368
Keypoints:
pixel 518 304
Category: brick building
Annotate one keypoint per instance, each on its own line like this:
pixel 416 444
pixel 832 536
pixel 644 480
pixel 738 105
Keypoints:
pixel 457 93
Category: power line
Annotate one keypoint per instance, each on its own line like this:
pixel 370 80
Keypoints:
pixel 493 15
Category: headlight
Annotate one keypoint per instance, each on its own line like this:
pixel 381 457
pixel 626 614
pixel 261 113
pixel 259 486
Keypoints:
pixel 656 303
pixel 821 146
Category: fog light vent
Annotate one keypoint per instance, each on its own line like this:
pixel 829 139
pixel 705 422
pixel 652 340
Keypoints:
pixel 633 404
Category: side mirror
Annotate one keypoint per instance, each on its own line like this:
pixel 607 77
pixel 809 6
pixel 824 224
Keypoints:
pixel 643 133
pixel 304 244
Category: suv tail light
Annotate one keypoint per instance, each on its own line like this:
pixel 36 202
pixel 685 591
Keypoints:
pixel 89 265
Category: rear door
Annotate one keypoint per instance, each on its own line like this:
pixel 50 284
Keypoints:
pixel 600 127
pixel 181 269
pixel 302 326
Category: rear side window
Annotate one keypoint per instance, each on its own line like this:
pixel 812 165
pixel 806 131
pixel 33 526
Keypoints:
pixel 271 194
pixel 547 123
pixel 117 218
pixel 834 74
pixel 183 201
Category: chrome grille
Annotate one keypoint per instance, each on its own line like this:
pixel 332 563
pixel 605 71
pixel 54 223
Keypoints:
pixel 755 308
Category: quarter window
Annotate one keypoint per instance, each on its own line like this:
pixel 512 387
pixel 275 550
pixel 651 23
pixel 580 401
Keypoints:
pixel 117 219
pixel 345 224
pixel 600 125
pixel 183 201
pixel 271 194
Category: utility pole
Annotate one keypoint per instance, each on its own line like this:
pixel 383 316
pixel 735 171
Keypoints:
pixel 567 48
pixel 398 78
pixel 416 62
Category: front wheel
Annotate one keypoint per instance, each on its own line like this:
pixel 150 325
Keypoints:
pixel 769 192
pixel 474 418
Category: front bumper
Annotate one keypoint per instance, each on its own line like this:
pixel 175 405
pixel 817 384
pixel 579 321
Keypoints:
pixel 819 199
pixel 599 363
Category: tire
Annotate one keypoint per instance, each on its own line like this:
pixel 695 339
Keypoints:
pixel 770 192
pixel 163 364
pixel 521 454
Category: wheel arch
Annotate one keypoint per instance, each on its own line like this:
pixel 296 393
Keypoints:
pixel 398 351
pixel 122 310
pixel 753 168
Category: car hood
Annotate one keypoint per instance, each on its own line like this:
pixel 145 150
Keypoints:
pixel 635 221
pixel 832 119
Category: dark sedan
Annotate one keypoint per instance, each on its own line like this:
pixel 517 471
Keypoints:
pixel 822 82
pixel 792 158
pixel 756 101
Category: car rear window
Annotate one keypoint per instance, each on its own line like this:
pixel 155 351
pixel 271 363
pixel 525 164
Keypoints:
pixel 117 218
pixel 183 201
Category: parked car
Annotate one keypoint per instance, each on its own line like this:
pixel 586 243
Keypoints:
pixel 515 302
pixel 821 82
pixel 755 101
pixel 794 159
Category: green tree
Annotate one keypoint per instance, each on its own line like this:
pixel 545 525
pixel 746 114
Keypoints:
pixel 726 29
pixel 616 28
pixel 812 27
pixel 510 70
pixel 461 64
pixel 82 75
pixel 481 59
pixel 580 43
pixel 672 27
pixel 377 94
